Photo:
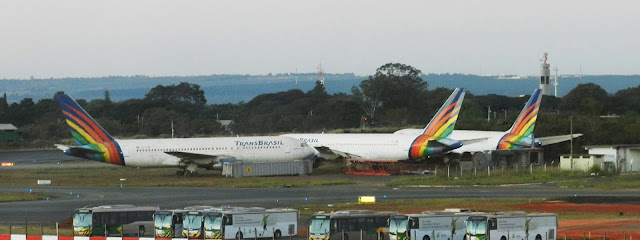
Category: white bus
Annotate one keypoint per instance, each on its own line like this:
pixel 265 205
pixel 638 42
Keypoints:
pixel 512 226
pixel 168 223
pixel 113 219
pixel 239 223
pixel 431 225
pixel 349 224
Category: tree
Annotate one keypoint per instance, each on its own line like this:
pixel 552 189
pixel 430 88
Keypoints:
pixel 183 93
pixel 393 86
pixel 587 98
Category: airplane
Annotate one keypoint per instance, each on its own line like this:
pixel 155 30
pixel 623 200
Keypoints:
pixel 433 139
pixel 518 137
pixel 188 154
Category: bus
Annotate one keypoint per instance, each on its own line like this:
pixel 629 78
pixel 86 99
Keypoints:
pixel 168 223
pixel 193 220
pixel 512 226
pixel 430 225
pixel 239 223
pixel 113 219
pixel 349 224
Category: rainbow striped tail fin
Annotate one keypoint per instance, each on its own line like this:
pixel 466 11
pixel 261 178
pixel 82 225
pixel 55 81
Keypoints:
pixel 520 135
pixel 442 124
pixel 433 139
pixel 93 142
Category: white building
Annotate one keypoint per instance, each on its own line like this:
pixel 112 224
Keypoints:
pixel 581 162
pixel 622 156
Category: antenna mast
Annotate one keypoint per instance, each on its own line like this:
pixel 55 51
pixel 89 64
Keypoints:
pixel 321 74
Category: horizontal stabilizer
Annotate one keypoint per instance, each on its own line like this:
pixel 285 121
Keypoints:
pixel 472 141
pixel 521 143
pixel 77 150
pixel 556 139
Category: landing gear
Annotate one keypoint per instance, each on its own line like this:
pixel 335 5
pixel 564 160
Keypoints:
pixel 189 171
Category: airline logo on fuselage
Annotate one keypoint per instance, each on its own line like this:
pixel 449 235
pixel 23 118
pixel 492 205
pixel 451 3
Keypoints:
pixel 259 143
pixel 309 140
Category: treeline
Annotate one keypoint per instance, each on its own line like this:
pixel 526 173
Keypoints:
pixel 395 97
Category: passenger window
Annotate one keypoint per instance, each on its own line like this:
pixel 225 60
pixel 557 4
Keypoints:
pixel 493 224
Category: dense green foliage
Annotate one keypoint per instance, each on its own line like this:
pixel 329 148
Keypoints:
pixel 395 97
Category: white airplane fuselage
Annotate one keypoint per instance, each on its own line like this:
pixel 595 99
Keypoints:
pixel 366 146
pixel 164 152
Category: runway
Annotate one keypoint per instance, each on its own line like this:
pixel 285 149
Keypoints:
pixel 66 199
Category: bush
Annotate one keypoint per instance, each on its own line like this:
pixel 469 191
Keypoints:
pixel 596 169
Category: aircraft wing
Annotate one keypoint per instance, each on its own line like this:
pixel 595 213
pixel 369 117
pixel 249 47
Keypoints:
pixel 198 158
pixel 556 139
pixel 323 150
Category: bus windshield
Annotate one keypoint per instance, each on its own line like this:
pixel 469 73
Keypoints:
pixel 398 225
pixel 163 220
pixel 212 222
pixel 476 227
pixel 192 221
pixel 82 219
pixel 319 226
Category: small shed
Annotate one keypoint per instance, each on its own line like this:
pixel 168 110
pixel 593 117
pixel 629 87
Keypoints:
pixel 622 156
pixel 9 133
pixel 581 162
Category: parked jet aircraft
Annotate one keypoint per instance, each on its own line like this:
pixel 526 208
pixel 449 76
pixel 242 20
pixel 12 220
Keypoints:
pixel 518 137
pixel 94 143
pixel 433 139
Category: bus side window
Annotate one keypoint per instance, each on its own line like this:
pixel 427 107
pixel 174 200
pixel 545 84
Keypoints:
pixel 175 219
pixel 353 224
pixel 493 224
pixel 334 225
pixel 95 219
pixel 228 220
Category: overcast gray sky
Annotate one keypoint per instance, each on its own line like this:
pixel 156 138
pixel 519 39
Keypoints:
pixel 81 38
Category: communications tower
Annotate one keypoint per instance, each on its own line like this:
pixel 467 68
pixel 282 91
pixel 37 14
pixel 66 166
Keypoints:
pixel 544 76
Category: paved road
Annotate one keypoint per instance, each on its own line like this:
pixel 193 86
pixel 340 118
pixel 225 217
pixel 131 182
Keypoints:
pixel 66 199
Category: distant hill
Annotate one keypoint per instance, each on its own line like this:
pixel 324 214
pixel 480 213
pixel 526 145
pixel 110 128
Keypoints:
pixel 236 88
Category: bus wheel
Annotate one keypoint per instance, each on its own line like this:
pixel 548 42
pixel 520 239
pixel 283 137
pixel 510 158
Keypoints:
pixel 538 237
pixel 503 238
pixel 426 238
pixel 141 231
pixel 239 235
pixel 277 234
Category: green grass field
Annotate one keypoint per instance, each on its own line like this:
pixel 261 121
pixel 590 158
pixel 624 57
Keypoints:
pixel 16 196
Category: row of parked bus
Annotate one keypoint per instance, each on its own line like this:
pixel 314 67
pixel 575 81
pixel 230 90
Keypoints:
pixel 450 224
pixel 207 222
pixel 191 222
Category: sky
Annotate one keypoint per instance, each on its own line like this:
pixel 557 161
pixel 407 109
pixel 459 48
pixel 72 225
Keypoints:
pixel 93 38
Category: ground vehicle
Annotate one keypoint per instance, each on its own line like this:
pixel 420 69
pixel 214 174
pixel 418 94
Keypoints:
pixel 350 224
pixel 238 223
pixel 431 225
pixel 512 226
pixel 193 219
pixel 168 223
pixel 112 219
